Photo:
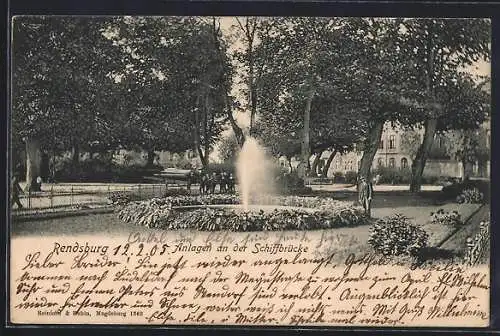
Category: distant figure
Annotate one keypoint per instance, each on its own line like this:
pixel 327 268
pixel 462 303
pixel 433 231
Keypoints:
pixel 15 191
pixel 209 183
pixel 39 183
pixel 365 194
pixel 36 184
pixel 203 183
pixel 215 181
pixel 224 182
pixel 230 183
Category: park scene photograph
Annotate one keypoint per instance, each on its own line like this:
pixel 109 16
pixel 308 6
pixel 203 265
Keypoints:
pixel 369 135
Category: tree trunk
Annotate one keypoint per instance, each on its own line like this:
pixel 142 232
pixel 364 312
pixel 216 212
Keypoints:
pixel 203 157
pixel 251 88
pixel 150 158
pixel 45 165
pixel 290 164
pixel 468 169
pixel 33 161
pixel 324 173
pixel 314 167
pixel 76 155
pixel 75 159
pixel 305 148
pixel 371 147
pixel 238 132
pixel 418 165
pixel 240 137
pixel 205 129
pixel 482 168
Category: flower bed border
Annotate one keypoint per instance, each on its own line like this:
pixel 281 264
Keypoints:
pixel 167 213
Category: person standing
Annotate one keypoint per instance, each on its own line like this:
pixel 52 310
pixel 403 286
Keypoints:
pixel 231 183
pixel 203 183
pixel 365 194
pixel 223 182
pixel 15 191
pixel 39 183
pixel 215 181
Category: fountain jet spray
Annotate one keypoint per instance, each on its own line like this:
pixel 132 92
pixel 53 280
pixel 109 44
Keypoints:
pixel 255 172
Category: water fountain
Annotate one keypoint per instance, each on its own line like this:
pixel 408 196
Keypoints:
pixel 256 207
pixel 255 172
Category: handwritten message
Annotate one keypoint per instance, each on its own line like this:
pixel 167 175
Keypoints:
pixel 289 278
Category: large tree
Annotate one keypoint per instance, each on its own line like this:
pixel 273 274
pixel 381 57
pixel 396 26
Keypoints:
pixel 305 81
pixel 381 83
pixel 179 76
pixel 60 66
pixel 439 48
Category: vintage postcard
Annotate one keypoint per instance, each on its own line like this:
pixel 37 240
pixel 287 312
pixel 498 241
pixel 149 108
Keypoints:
pixel 250 171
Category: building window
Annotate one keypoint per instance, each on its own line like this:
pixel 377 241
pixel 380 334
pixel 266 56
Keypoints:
pixel 392 162
pixel 404 163
pixel 380 162
pixel 392 142
pixel 381 144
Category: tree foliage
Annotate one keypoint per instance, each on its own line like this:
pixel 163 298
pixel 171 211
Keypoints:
pixel 438 49
pixel 61 81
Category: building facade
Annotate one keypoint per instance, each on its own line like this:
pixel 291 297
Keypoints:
pixel 392 153
pixel 163 158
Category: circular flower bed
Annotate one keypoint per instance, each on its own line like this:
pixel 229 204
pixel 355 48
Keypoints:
pixel 302 213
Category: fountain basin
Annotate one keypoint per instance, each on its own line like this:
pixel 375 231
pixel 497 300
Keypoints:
pixel 213 213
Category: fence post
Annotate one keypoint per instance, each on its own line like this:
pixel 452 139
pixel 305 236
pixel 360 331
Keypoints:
pixel 71 197
pixel 29 199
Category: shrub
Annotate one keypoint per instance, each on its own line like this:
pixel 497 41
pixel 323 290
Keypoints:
pixel 401 176
pixel 351 177
pixel 395 235
pixel 133 173
pixel 338 177
pixel 291 183
pixel 393 175
pixel 176 192
pixel 120 198
pixel 162 213
pixel 430 179
pixel 255 220
pixel 470 195
pixel 101 170
pixel 456 191
pixel 443 217
pixel 321 180
pixel 148 213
